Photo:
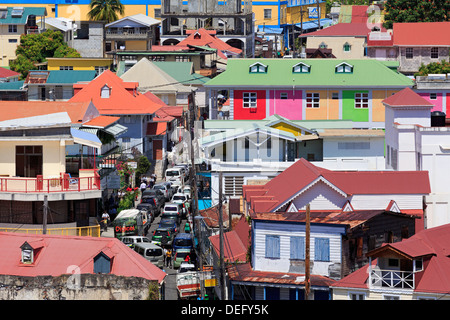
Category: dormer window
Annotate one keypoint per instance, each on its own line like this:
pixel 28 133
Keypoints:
pixel 301 68
pixel 27 253
pixel 102 263
pixel 105 92
pixel 344 68
pixel 197 35
pixel 347 47
pixel 323 45
pixel 258 68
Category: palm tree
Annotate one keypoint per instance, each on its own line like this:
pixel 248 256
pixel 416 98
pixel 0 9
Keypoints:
pixel 105 10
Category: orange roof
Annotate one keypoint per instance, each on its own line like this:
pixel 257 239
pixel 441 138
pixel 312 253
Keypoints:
pixel 156 128
pixel 123 96
pixel 421 34
pixel 79 112
pixel 202 37
pixel 102 121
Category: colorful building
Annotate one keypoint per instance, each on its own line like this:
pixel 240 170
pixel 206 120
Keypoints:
pixel 97 64
pixel 307 89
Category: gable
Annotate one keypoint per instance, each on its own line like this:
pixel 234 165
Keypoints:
pixel 295 130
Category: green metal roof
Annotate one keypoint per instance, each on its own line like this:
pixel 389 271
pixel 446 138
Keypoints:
pixel 9 86
pixel 366 73
pixel 37 11
pixel 70 76
pixel 181 71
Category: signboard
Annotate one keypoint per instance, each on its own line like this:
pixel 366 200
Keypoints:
pixel 313 12
pixel 125 227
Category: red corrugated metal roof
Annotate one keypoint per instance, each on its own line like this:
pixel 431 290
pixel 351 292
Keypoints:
pixel 407 97
pixel 58 253
pixel 6 73
pixel 156 128
pixel 422 34
pixel 342 30
pixel 202 37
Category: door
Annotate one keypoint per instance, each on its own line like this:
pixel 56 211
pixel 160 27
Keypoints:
pixel 28 161
pixel 157 150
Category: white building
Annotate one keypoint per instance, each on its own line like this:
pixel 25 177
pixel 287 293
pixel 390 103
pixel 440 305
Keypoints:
pixel 414 143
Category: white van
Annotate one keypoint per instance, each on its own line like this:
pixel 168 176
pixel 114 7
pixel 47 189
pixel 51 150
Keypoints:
pixel 174 173
pixel 151 252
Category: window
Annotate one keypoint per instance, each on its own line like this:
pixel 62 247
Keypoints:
pixel 258 68
pixel 12 40
pixel 27 253
pixel 28 161
pixel 391 297
pixel 409 53
pixel 344 68
pixel 233 185
pixel 297 248
pixel 102 263
pixel 159 58
pixel 347 47
pixel 249 100
pixel 312 100
pixel 105 92
pixel 433 96
pixel 182 59
pixel 323 45
pixel 301 68
pixel 267 13
pixel 100 69
pixel 65 67
pixel 12 28
pixel 322 249
pixel 357 296
pixel 283 95
pixel 157 13
pixel 335 95
pixel 361 100
pixel 434 53
pixel 272 247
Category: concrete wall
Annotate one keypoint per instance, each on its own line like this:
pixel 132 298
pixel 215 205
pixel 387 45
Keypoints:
pixel 74 287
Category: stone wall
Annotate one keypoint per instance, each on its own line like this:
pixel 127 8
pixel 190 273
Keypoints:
pixel 74 287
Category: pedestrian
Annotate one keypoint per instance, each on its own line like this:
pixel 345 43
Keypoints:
pixel 143 186
pixel 152 182
pixel 169 257
pixel 187 259
pixel 187 228
pixel 105 220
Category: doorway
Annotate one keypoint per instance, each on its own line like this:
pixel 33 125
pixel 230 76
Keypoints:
pixel 28 161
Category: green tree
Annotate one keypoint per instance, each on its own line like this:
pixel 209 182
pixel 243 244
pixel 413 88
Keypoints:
pixel 415 11
pixel 105 10
pixel 36 48
pixel 434 68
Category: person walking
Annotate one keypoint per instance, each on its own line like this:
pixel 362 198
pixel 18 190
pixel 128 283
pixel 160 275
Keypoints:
pixel 169 257
pixel 105 220
pixel 143 186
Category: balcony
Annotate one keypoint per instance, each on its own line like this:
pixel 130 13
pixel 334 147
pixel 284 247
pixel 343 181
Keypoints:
pixel 33 189
pixel 128 34
pixel 393 279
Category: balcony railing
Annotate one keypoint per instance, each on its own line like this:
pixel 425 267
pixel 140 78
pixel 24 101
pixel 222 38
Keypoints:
pixel 63 183
pixel 392 279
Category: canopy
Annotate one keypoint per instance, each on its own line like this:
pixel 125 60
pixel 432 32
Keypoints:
pixel 85 138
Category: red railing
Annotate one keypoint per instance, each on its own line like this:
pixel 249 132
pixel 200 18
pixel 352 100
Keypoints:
pixel 64 183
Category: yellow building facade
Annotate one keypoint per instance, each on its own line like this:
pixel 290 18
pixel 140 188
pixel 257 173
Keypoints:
pixel 78 63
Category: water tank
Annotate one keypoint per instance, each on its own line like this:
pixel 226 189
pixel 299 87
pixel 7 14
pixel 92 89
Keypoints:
pixel 437 119
pixel 31 20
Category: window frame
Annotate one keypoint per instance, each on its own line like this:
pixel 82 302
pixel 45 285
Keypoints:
pixel 409 53
pixel 434 53
pixel 347 47
pixel 319 245
pixel 272 247
pixel 12 28
pixel 247 100
pixel 364 100
pixel 297 254
pixel 267 14
pixel 260 68
pixel 315 100
pixel 303 68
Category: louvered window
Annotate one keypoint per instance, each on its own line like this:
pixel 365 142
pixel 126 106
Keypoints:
pixel 233 186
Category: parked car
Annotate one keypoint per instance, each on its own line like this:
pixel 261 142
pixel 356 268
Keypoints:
pixel 131 241
pixel 162 237
pixel 169 224
pixel 180 256
pixel 187 190
pixel 157 202
pixel 173 174
pixel 183 241
pixel 173 210
pixel 186 267
pixel 165 188
pixel 154 193
pixel 151 252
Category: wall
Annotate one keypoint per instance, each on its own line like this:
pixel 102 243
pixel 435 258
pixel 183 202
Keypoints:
pixel 290 108
pixel 54 161
pixel 438 102
pixel 64 287
pixel 284 263
pixel 7 49
pixel 420 55
pixel 337 46
pixel 78 63
pixel 349 112
pixel 241 113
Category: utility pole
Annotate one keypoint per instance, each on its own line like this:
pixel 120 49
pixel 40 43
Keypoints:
pixel 44 219
pixel 221 260
pixel 318 15
pixel 307 257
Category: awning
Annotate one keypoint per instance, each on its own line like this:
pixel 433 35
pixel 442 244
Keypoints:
pixel 313 24
pixel 85 138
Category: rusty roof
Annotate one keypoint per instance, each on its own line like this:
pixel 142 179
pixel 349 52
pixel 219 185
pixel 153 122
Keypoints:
pixel 244 273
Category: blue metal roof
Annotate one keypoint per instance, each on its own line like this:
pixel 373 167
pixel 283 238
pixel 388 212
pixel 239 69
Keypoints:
pixel 313 24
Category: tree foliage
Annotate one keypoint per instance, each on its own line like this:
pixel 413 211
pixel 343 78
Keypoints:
pixel 36 48
pixel 105 10
pixel 416 11
pixel 434 68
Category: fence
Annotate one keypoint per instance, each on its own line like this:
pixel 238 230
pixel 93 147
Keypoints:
pixel 90 231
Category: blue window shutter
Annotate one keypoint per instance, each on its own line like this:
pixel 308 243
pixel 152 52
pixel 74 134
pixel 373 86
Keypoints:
pixel 102 263
pixel 297 248
pixel 322 249
pixel 272 247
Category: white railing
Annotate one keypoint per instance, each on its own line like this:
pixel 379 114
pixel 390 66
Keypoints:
pixel 392 279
